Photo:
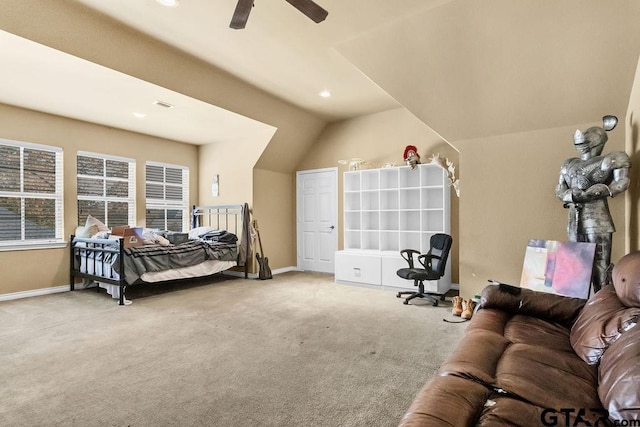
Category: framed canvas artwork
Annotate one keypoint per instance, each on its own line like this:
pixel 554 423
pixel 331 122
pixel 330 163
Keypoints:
pixel 562 268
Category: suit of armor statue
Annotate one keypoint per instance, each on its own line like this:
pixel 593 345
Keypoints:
pixel 585 184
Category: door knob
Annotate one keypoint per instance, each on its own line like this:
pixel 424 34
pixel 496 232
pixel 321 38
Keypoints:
pixel 331 227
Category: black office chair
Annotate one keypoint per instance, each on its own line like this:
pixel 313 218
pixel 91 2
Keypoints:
pixel 433 263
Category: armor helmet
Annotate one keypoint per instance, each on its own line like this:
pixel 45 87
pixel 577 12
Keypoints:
pixel 593 138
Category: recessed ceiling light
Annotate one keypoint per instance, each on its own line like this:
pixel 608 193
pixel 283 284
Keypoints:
pixel 140 115
pixel 325 94
pixel 169 3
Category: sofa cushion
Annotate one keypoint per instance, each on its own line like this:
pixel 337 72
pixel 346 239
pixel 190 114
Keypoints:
pixel 619 376
pixel 626 279
pixel 525 355
pixel 541 367
pixel 556 308
pixel 600 323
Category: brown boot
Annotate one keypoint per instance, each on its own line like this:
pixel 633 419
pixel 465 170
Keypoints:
pixel 457 306
pixel 467 311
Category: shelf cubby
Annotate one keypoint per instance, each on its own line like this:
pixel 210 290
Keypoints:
pixel 351 201
pixel 352 240
pixel 389 220
pixel 388 178
pixel 389 199
pixel 390 209
pixel 433 220
pixel 389 241
pixel 409 220
pixel 371 220
pixel 432 198
pixel 352 221
pixel 410 198
pixel 409 240
pixel 371 240
pixel 409 178
pixel 351 181
pixel 433 177
pixel 370 200
pixel 370 179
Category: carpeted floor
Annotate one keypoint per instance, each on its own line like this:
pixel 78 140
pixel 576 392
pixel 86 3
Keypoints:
pixel 298 350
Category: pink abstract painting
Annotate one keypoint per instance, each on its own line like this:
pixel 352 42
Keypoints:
pixel 562 268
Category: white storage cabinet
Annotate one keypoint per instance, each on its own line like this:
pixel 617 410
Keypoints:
pixel 386 210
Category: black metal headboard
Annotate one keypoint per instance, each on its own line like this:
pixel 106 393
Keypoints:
pixel 232 218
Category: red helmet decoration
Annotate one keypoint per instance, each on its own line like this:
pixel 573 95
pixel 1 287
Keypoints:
pixel 410 148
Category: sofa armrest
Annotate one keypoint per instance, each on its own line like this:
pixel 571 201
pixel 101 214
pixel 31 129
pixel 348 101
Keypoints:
pixel 446 401
pixel 516 300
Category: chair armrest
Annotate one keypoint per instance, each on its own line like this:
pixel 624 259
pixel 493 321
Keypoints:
pixel 428 257
pixel 544 305
pixel 408 254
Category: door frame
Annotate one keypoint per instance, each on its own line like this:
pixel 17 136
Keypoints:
pixel 299 207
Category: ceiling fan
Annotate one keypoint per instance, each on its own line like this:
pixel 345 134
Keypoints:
pixel 314 12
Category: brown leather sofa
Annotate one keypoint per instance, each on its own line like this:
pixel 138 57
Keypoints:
pixel 531 358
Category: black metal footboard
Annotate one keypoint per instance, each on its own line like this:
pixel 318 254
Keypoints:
pixel 95 252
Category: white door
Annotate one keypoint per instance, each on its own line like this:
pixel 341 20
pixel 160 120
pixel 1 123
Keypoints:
pixel 317 219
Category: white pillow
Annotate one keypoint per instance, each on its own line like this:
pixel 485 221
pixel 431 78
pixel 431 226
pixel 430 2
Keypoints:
pixel 94 226
pixel 81 231
pixel 101 235
pixel 198 231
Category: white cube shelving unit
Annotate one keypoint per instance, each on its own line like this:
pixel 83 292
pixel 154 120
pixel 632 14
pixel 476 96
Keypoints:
pixel 387 210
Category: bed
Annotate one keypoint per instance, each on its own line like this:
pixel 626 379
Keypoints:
pixel 219 239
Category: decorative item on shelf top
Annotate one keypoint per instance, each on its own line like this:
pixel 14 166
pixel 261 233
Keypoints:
pixel 451 170
pixel 354 164
pixel 411 156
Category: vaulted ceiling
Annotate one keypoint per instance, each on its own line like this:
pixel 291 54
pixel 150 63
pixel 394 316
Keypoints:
pixel 468 69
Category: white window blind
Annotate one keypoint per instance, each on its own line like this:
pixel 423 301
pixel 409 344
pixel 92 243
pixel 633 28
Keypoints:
pixel 106 188
pixel 31 187
pixel 167 196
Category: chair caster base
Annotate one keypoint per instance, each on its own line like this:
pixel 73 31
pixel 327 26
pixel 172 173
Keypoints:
pixel 405 302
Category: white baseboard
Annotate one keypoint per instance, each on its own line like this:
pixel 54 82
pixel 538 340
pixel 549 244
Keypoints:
pixel 255 275
pixel 285 270
pixel 34 293
pixel 65 288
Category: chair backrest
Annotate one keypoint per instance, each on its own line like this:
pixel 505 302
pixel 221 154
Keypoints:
pixel 440 246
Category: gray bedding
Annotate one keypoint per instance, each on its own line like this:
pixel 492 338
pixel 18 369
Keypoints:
pixel 153 258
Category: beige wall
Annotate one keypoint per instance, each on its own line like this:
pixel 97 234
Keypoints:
pixel 34 269
pixel 274 209
pixel 632 147
pixel 380 138
pixel 508 197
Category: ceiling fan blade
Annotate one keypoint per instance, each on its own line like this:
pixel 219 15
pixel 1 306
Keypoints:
pixel 241 14
pixel 310 8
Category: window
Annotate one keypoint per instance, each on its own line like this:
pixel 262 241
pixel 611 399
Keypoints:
pixel 106 189
pixel 31 207
pixel 167 197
